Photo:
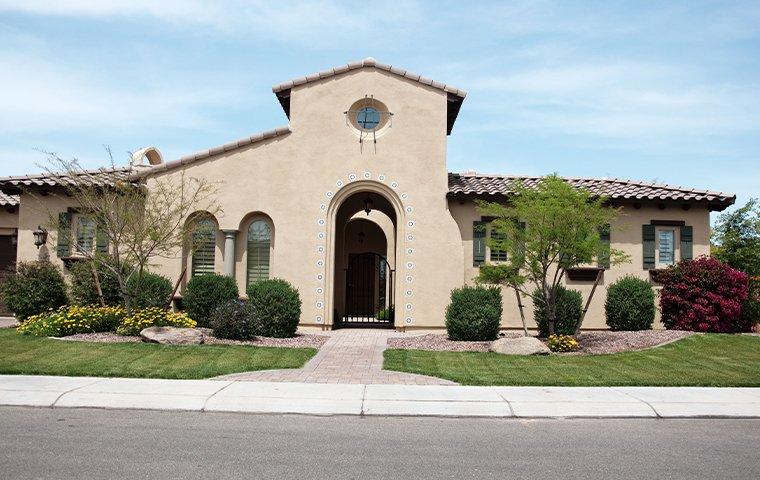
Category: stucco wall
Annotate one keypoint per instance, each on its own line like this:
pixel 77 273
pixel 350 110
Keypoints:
pixel 8 221
pixel 625 236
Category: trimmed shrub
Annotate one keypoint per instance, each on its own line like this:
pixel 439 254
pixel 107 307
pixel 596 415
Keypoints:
pixel 474 313
pixel 73 319
pixel 562 343
pixel 275 306
pixel 630 304
pixel 233 320
pixel 153 291
pixel 83 289
pixel 703 295
pixel 569 310
pixel 153 317
pixel 34 287
pixel 206 292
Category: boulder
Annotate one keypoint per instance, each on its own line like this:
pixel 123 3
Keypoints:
pixel 172 335
pixel 519 346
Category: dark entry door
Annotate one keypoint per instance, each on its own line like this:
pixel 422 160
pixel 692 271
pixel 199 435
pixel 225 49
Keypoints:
pixel 7 261
pixel 368 278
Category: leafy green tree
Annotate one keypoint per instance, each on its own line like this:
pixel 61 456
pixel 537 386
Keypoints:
pixel 736 238
pixel 544 231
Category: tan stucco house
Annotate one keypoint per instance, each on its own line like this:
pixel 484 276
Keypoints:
pixel 352 203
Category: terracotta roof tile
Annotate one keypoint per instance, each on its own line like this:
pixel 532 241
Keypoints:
pixel 8 200
pixel 368 62
pixel 615 189
pixel 98 177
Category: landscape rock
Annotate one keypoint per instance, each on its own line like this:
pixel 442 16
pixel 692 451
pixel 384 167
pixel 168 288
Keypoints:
pixel 519 346
pixel 172 335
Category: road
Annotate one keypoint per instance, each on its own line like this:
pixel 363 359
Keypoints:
pixel 113 444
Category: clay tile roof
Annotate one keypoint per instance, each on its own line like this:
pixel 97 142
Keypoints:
pixel 98 177
pixel 368 62
pixel 8 200
pixel 615 189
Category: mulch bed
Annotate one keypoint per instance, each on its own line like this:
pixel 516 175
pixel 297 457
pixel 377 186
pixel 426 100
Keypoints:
pixel 600 342
pixel 299 341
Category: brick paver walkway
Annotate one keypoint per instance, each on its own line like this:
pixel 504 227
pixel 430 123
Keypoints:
pixel 349 356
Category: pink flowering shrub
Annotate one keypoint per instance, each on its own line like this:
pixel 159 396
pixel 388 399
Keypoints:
pixel 703 295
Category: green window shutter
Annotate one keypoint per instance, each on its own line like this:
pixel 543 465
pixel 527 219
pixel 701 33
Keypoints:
pixel 259 243
pixel 603 259
pixel 204 256
pixel 478 243
pixel 63 249
pixel 687 242
pixel 101 241
pixel 497 255
pixel 647 240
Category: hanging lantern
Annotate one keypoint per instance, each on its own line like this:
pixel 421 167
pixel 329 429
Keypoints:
pixel 40 236
pixel 368 205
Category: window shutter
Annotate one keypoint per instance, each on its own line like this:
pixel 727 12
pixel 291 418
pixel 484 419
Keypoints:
pixel 478 243
pixel 647 240
pixel 101 241
pixel 687 242
pixel 603 259
pixel 204 256
pixel 259 244
pixel 63 249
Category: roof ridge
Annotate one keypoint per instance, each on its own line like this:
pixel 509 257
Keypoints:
pixel 368 62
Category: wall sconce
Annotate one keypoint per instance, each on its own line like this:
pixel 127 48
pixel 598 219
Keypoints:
pixel 368 205
pixel 40 236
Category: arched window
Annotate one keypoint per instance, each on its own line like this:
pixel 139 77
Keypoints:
pixel 204 247
pixel 259 241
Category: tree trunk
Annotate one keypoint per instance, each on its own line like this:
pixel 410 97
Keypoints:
pixel 588 301
pixel 522 313
pixel 96 278
pixel 176 287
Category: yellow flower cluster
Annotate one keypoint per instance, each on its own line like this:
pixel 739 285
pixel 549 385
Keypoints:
pixel 563 343
pixel 72 319
pixel 153 317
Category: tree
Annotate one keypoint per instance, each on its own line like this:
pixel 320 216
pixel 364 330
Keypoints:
pixel 544 231
pixel 140 220
pixel 736 238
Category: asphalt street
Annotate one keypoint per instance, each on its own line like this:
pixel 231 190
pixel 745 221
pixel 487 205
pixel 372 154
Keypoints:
pixel 115 444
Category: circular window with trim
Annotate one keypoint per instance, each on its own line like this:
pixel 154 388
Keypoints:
pixel 369 115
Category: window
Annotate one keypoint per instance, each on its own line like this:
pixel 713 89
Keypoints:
pixel 666 239
pixel 259 242
pixel 368 118
pixel 85 234
pixel 495 254
pixel 204 247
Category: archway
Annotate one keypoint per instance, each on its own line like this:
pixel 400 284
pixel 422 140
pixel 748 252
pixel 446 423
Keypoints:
pixel 364 251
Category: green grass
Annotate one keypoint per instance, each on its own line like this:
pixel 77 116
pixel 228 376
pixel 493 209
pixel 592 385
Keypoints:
pixel 701 360
pixel 25 355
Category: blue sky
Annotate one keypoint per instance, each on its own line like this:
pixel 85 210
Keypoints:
pixel 644 90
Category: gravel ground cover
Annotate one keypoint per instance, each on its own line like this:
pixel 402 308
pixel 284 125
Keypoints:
pixel 591 342
pixel 299 341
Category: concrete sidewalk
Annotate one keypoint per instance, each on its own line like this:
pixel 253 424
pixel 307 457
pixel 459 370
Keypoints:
pixel 403 400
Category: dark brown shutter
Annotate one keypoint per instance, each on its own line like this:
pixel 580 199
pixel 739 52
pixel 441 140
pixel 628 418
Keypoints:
pixel 478 243
pixel 603 258
pixel 63 249
pixel 647 240
pixel 687 242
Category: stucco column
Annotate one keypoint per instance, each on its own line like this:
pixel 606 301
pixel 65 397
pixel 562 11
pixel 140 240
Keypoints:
pixel 229 252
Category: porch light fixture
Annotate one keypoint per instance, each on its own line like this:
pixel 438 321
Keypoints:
pixel 40 236
pixel 368 205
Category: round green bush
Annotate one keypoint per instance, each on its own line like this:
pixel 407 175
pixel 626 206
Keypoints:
pixel 474 313
pixel 150 290
pixel 83 289
pixel 275 306
pixel 34 287
pixel 630 304
pixel 233 320
pixel 569 309
pixel 206 292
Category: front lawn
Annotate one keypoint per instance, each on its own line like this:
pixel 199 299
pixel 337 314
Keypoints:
pixel 26 355
pixel 716 360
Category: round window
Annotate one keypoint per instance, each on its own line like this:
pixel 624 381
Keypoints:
pixel 368 118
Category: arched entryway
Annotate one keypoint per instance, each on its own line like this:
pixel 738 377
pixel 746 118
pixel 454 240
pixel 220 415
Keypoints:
pixel 364 251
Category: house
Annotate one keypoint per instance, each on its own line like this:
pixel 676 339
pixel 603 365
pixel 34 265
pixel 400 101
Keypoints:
pixel 352 203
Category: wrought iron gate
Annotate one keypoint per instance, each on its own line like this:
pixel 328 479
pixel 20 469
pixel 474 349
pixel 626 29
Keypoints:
pixel 369 292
